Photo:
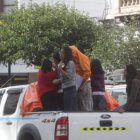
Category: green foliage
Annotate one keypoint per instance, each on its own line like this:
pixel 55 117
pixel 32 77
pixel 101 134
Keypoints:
pixel 117 45
pixel 37 31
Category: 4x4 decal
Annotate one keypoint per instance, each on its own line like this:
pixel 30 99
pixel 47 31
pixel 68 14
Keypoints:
pixel 48 120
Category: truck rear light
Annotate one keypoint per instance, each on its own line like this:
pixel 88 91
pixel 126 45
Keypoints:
pixel 62 129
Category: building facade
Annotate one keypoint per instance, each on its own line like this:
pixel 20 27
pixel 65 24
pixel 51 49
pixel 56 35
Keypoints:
pixel 121 8
pixel 19 74
pixel 6 5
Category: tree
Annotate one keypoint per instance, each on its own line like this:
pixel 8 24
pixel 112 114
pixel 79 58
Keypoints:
pixel 132 43
pixel 117 45
pixel 37 31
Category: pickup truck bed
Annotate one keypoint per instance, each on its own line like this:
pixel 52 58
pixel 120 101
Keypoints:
pixel 59 125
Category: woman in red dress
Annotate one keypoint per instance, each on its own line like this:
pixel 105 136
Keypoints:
pixel 47 90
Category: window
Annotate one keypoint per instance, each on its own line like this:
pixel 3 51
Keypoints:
pixel 12 100
pixel 1 95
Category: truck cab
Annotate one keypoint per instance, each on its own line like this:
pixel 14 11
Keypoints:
pixel 9 111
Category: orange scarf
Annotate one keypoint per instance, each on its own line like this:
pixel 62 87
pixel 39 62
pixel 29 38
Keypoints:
pixel 82 63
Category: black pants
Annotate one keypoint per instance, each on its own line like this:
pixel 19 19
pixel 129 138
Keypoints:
pixel 60 101
pixel 49 101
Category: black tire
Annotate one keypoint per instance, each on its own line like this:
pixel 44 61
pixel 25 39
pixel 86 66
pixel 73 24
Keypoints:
pixel 29 132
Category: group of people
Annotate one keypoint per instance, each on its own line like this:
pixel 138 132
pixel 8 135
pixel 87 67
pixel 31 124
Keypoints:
pixel 72 83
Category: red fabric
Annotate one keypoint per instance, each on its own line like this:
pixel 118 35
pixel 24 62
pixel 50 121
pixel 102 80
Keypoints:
pixel 110 102
pixel 30 99
pixel 45 81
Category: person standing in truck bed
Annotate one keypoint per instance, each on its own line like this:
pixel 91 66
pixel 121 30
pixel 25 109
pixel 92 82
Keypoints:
pixel 46 89
pixel 67 70
pixel 97 84
pixel 60 93
pixel 83 84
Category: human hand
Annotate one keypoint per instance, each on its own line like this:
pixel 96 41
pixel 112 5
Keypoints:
pixel 56 81
pixel 121 110
pixel 80 89
pixel 61 64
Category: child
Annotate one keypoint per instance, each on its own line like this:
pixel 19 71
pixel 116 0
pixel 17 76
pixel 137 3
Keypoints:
pixel 97 84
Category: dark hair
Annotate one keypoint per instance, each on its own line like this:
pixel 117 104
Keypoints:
pixel 68 54
pixel 57 56
pixel 46 65
pixel 96 67
pixel 131 74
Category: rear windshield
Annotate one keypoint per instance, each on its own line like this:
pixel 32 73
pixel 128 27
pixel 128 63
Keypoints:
pixel 12 101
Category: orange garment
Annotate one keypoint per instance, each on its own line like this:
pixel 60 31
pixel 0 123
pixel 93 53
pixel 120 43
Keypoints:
pixel 82 63
pixel 31 99
pixel 110 102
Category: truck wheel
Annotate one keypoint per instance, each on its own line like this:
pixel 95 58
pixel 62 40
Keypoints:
pixel 29 132
pixel 26 136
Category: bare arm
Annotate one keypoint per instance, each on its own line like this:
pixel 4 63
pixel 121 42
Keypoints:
pixel 64 74
pixel 82 85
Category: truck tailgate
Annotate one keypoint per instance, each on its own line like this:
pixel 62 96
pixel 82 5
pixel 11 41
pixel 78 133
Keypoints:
pixel 103 125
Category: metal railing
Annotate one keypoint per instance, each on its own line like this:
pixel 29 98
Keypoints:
pixel 129 2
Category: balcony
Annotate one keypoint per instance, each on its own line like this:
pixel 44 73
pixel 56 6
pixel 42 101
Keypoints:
pixel 126 7
pixel 128 3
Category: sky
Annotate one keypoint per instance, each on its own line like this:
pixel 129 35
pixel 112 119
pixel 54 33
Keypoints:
pixel 95 8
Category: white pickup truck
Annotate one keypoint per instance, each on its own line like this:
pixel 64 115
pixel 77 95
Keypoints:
pixel 59 125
